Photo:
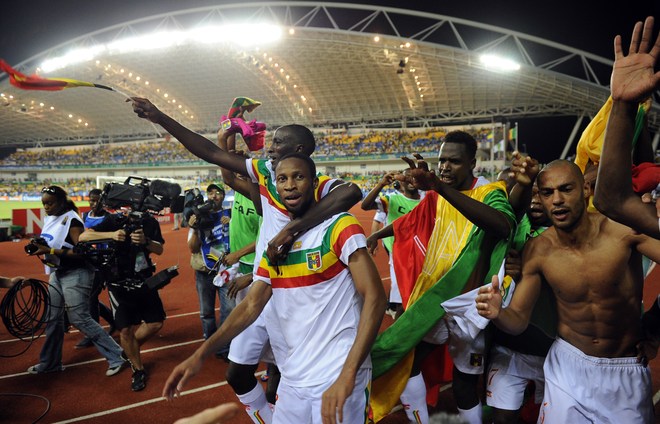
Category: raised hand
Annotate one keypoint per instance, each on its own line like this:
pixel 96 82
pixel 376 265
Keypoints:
pixel 633 77
pixel 388 178
pixel 422 177
pixel 145 109
pixel 524 169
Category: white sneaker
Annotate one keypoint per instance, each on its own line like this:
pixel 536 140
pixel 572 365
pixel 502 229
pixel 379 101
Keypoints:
pixel 115 370
pixel 34 369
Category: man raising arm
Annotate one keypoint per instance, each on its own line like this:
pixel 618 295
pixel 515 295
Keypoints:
pixel 342 197
pixel 633 81
pixel 593 266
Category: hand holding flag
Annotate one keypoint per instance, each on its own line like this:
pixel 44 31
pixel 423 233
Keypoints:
pixel 253 132
pixel 145 109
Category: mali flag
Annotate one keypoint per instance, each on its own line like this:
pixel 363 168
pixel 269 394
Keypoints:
pixel 445 248
pixel 242 104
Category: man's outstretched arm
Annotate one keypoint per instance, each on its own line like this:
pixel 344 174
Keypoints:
pixel 369 201
pixel 633 80
pixel 196 144
pixel 513 319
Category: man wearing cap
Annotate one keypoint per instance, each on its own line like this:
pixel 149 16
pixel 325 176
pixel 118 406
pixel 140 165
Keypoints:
pixel 208 240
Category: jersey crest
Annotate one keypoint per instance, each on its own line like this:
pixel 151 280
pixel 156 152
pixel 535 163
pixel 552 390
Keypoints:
pixel 314 260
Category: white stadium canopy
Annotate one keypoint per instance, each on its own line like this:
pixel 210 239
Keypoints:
pixel 313 63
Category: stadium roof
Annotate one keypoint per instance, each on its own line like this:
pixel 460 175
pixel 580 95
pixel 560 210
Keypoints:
pixel 334 64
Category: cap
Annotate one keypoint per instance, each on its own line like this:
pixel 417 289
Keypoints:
pixel 214 186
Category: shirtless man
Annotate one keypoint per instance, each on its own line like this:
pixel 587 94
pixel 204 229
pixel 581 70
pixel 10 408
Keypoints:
pixel 593 265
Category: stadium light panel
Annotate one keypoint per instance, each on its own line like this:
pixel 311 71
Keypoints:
pixel 497 63
pixel 259 34
pixel 72 57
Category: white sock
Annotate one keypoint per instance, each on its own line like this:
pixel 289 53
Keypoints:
pixel 413 399
pixel 256 405
pixel 471 416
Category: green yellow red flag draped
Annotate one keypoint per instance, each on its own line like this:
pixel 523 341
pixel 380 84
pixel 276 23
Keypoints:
pixel 448 247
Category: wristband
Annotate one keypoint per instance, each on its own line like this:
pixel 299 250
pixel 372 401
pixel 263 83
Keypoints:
pixel 52 250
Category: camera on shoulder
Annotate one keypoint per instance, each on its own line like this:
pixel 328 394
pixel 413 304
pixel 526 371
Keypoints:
pixel 140 194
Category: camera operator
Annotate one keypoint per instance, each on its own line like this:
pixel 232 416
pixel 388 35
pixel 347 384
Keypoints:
pixel 208 240
pixel 70 284
pixel 97 309
pixel 139 312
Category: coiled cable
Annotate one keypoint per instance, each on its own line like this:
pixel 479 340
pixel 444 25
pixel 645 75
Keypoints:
pixel 24 310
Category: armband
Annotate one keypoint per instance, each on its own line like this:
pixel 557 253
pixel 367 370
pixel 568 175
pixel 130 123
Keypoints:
pixel 52 250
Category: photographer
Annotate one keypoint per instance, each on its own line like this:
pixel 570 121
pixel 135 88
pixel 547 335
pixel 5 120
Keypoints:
pixel 97 309
pixel 208 241
pixel 139 312
pixel 70 284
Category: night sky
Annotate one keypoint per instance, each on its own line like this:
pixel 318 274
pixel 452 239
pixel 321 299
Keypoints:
pixel 26 29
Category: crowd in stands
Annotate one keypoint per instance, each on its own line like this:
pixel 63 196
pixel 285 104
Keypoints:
pixel 159 152
pixel 153 153
pixel 76 187
pixel 378 142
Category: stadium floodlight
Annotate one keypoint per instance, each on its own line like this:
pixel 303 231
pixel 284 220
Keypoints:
pixel 72 57
pixel 258 35
pixel 153 41
pixel 497 63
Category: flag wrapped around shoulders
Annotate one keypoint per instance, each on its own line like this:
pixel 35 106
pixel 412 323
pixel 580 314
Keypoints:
pixel 35 82
pixel 437 249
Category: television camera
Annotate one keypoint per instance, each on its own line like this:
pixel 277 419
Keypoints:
pixel 142 195
pixel 194 204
